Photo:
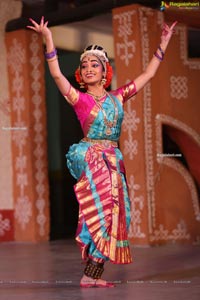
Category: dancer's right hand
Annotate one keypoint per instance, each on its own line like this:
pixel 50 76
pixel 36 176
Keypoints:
pixel 40 28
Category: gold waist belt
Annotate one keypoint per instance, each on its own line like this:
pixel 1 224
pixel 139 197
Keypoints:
pixel 105 143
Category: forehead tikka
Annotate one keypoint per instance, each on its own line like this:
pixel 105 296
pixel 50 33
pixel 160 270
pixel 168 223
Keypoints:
pixel 88 58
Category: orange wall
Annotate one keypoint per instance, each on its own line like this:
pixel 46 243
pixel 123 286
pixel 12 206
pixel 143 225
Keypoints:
pixel 165 202
pixel 28 134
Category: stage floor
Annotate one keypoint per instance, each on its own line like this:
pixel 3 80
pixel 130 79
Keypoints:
pixel 52 270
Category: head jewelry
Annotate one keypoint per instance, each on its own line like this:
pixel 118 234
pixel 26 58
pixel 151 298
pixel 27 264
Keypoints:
pixel 98 51
pixel 101 54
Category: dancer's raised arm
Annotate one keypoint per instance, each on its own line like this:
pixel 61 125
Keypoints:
pixel 154 63
pixel 51 55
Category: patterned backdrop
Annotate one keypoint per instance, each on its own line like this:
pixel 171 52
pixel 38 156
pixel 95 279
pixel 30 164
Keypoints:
pixel 8 10
pixel 28 134
pixel 165 203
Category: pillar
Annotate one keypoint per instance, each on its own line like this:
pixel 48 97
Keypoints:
pixel 163 191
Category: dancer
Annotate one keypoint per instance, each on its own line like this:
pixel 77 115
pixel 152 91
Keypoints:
pixel 96 161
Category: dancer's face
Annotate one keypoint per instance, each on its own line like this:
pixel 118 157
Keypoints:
pixel 91 70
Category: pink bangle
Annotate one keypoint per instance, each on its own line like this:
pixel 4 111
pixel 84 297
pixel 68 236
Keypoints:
pixel 50 54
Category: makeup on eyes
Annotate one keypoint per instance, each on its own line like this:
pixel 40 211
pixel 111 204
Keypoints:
pixel 95 63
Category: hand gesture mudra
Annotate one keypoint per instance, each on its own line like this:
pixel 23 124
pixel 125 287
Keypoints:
pixel 40 27
pixel 167 32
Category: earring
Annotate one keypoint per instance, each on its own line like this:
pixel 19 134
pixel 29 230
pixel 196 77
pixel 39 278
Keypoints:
pixel 82 85
pixel 103 81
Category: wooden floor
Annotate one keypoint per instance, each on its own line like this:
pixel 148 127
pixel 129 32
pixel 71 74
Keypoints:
pixel 52 270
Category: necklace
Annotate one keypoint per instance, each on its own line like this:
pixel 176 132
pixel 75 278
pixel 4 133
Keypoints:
pixel 109 124
pixel 97 98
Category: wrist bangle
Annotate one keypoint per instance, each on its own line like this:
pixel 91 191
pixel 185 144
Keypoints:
pixel 161 52
pixel 50 54
pixel 160 58
pixel 52 59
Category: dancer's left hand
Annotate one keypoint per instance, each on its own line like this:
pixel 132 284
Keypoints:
pixel 167 32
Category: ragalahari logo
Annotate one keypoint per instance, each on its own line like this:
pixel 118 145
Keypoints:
pixel 179 4
pixel 164 5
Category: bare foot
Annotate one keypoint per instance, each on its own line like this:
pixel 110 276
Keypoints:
pixel 87 280
pixel 90 282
